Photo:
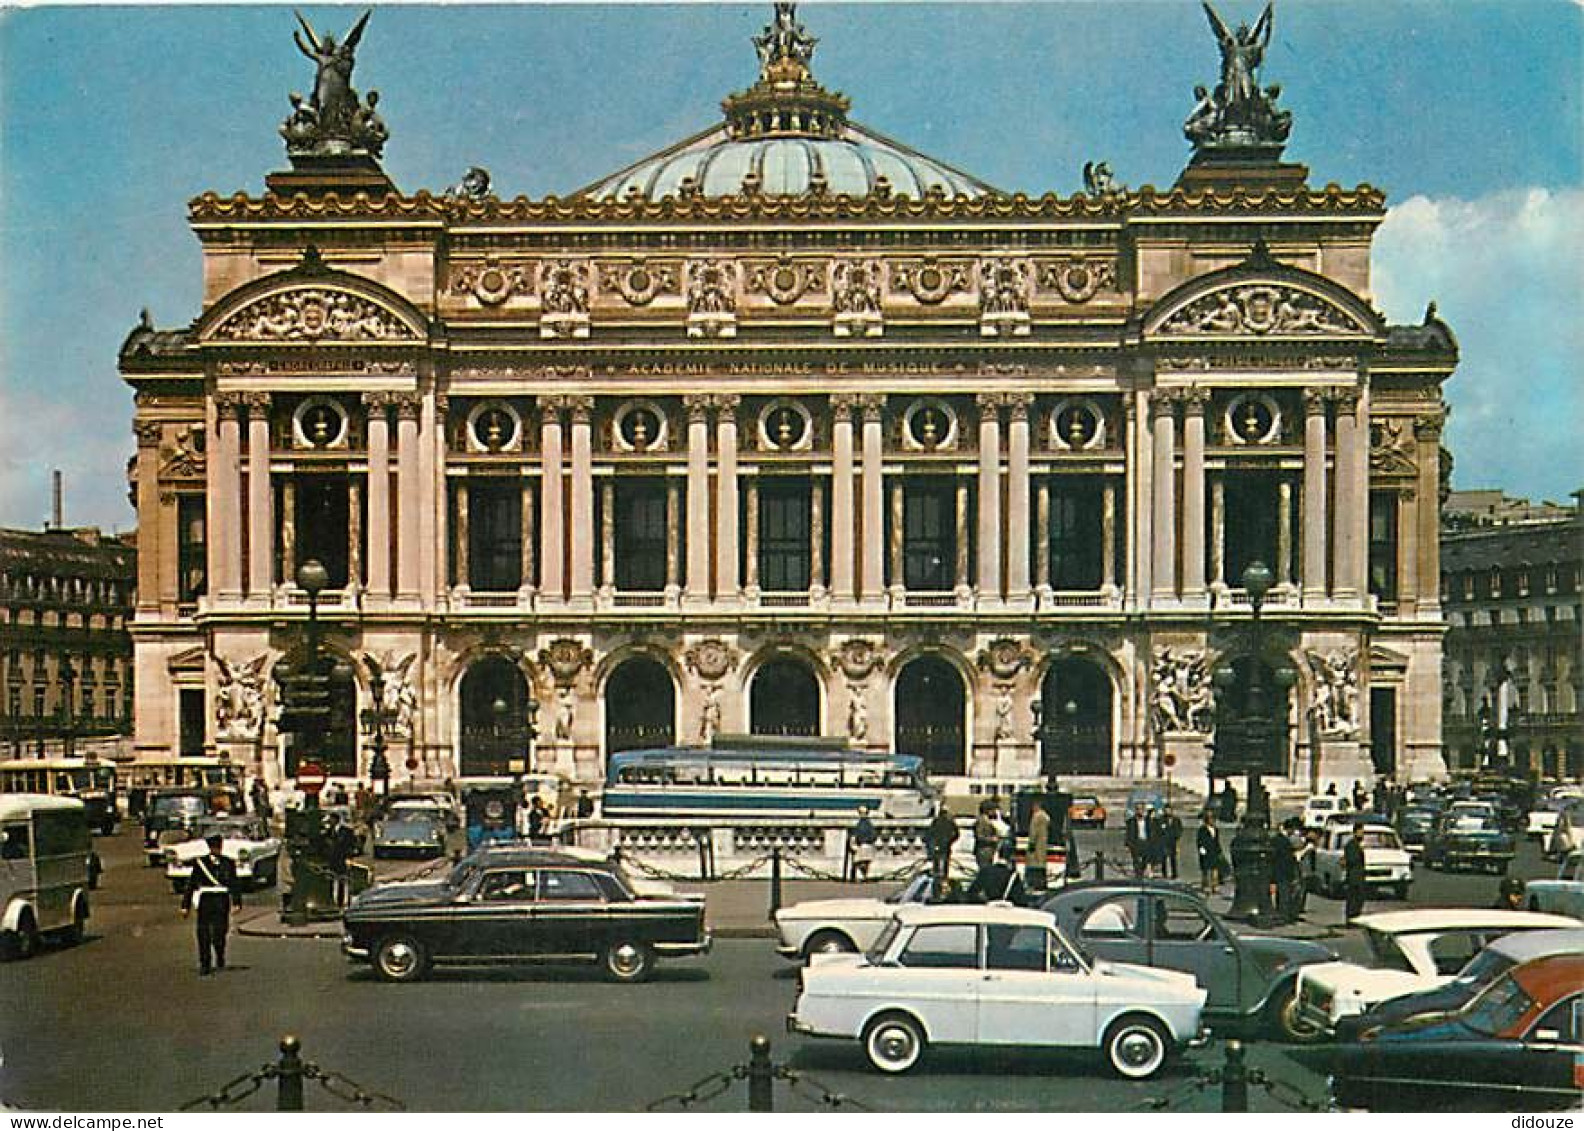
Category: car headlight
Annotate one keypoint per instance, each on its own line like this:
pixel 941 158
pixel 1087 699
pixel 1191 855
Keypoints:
pixel 243 856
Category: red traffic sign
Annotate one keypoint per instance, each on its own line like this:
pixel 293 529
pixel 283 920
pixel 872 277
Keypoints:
pixel 1169 761
pixel 412 763
pixel 311 778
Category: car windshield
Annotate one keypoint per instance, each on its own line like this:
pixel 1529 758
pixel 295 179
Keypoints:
pixel 915 890
pixel 1386 953
pixel 230 828
pixel 171 806
pixel 882 944
pixel 410 821
pixel 1321 804
pixel 1495 1010
pixel 1486 966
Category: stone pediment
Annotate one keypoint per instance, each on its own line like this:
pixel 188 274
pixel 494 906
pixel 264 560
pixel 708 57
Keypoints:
pixel 312 304
pixel 187 661
pixel 1382 659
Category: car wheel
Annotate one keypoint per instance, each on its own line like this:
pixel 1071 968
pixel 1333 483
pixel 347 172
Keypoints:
pixel 828 942
pixel 73 935
pixel 628 961
pixel 23 942
pixel 1287 1022
pixel 894 1042
pixel 1136 1047
pixel 400 958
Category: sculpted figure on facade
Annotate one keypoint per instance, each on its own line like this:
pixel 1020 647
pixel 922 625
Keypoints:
pixel 313 314
pixel 710 713
pixel 711 298
pixel 239 698
pixel 855 298
pixel 399 699
pixel 1182 696
pixel 333 120
pixel 563 299
pixel 1004 658
pixel 1003 716
pixel 857 657
pixel 566 713
pixel 1261 310
pixel 1004 296
pixel 858 711
pixel 711 659
pixel 1335 703
pixel 1238 113
pixel 784 40
pixel 565 657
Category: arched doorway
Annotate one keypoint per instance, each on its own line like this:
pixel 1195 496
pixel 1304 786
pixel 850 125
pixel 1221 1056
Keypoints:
pixel 1075 718
pixel 930 704
pixel 640 706
pixel 494 719
pixel 784 699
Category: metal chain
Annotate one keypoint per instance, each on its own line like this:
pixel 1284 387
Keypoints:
pixel 702 1091
pixel 349 1090
pixel 804 1085
pixel 655 873
pixel 1170 1101
pixel 1285 1093
pixel 797 865
pixel 229 1095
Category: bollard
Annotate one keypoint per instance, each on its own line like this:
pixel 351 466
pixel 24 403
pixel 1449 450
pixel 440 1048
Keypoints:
pixel 760 1075
pixel 1099 871
pixel 701 842
pixel 1234 1079
pixel 289 1075
pixel 775 880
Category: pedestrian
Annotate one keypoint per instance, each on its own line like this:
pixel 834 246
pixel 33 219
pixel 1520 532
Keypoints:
pixel 1331 789
pixel 1285 876
pixel 260 797
pixel 1359 796
pixel 1381 805
pixel 212 885
pixel 538 820
pixel 998 881
pixel 1137 836
pixel 938 841
pixel 1304 853
pixel 1171 830
pixel 862 838
pixel 1510 896
pixel 585 805
pixel 1212 860
pixel 1039 833
pixel 986 834
pixel 1353 871
pixel 1229 802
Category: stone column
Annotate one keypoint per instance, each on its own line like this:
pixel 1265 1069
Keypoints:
pixel 698 524
pixel 225 505
pixel 1408 553
pixel 817 538
pixel 408 496
pixel 1140 499
pixel 607 535
pixel 552 507
pixel 989 571
pixel 1218 530
pixel 152 585
pixel 433 536
pixel 1314 496
pixel 960 568
pixel 1108 522
pixel 1042 559
pixel 1193 554
pixel 1018 518
pixel 528 555
pixel 898 517
pixel 582 510
pixel 288 529
pixel 462 558
pixel 1284 559
pixel 379 534
pixel 673 582
pixel 354 534
pixel 1351 517
pixel 1427 434
pixel 751 537
pixel 843 516
pixel 726 508
pixel 1163 522
pixel 872 581
pixel 261 526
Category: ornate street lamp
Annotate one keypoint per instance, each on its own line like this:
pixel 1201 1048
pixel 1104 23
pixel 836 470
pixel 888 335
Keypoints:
pixel 374 717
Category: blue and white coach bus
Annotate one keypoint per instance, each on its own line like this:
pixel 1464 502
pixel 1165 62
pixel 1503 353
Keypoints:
pixel 753 776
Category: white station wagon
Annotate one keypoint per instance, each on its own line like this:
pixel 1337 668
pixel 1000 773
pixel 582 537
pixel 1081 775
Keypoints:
pixel 993 975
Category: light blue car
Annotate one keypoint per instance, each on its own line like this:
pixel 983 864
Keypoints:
pixel 1563 895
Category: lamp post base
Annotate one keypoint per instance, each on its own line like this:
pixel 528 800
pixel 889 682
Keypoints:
pixel 1252 860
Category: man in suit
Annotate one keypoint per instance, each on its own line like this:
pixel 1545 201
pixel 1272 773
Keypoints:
pixel 1139 836
pixel 212 885
pixel 1353 872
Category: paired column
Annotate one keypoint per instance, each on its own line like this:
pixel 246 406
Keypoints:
pixel 1193 536
pixel 1108 531
pixel 1163 572
pixel 261 531
pixel 223 474
pixel 816 538
pixel 552 508
pixel 1017 524
pixel 409 495
pixel 960 573
pixel 1352 490
pixel 607 535
pixel 149 574
pixel 1042 499
pixel 528 555
pixel 989 575
pixel 1218 530
pixel 872 580
pixel 379 540
pixel 726 509
pixel 1284 510
pixel 1427 434
pixel 1314 496
pixel 842 510
pixel 582 510
pixel 751 537
pixel 698 543
pixel 673 580
pixel 462 560
pixel 898 516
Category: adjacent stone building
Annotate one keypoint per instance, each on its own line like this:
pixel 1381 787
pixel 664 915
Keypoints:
pixel 1511 577
pixel 791 429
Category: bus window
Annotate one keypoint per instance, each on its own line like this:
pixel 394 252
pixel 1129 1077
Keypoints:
pixel 898 779
pixel 14 843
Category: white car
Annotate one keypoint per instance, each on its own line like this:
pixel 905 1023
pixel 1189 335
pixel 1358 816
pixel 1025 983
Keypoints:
pixel 953 974
pixel 1410 951
pixel 1542 820
pixel 246 842
pixel 1386 862
pixel 834 926
pixel 1322 807
pixel 435 800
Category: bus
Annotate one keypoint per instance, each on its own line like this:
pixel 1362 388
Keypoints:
pixel 92 783
pixel 46 869
pixel 143 776
pixel 753 776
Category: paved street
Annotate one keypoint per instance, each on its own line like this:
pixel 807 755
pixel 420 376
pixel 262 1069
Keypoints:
pixel 130 1026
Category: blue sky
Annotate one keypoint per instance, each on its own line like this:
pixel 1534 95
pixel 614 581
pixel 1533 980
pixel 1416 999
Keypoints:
pixel 1467 113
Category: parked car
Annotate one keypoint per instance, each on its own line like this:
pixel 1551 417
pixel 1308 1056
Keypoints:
pixel 1515 1047
pixel 1386 863
pixel 1542 819
pixel 505 906
pixel 1409 951
pixel 1413 825
pixel 1563 895
pixel 1463 842
pixel 1322 807
pixel 945 974
pixel 1251 979
pixel 245 841
pixel 437 801
pixel 1483 969
pixel 1086 810
pixel 835 926
pixel 410 831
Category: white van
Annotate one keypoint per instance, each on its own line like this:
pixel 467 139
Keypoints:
pixel 44 871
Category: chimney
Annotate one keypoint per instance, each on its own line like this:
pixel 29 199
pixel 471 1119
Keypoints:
pixel 56 509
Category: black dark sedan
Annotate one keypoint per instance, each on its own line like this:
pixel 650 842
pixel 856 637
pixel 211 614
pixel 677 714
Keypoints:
pixel 1515 1047
pixel 511 905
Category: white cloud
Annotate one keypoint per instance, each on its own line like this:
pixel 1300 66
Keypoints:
pixel 1507 274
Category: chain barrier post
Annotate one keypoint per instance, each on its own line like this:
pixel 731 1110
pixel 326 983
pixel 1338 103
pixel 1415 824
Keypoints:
pixel 1099 865
pixel 775 881
pixel 1234 1079
pixel 761 1075
pixel 700 837
pixel 289 1075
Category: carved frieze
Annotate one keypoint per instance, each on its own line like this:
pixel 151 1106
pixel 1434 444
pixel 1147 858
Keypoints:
pixel 857 657
pixel 1244 362
pixel 1004 286
pixel 712 298
pixel 711 659
pixel 313 314
pixel 563 299
pixel 1262 310
pixel 785 280
pixel 1392 447
pixel 931 281
pixel 1004 658
pixel 493 280
pixel 565 657
pixel 1078 278
pixel 639 282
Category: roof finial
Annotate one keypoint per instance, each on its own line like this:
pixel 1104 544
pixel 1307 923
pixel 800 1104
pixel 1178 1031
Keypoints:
pixel 785 48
